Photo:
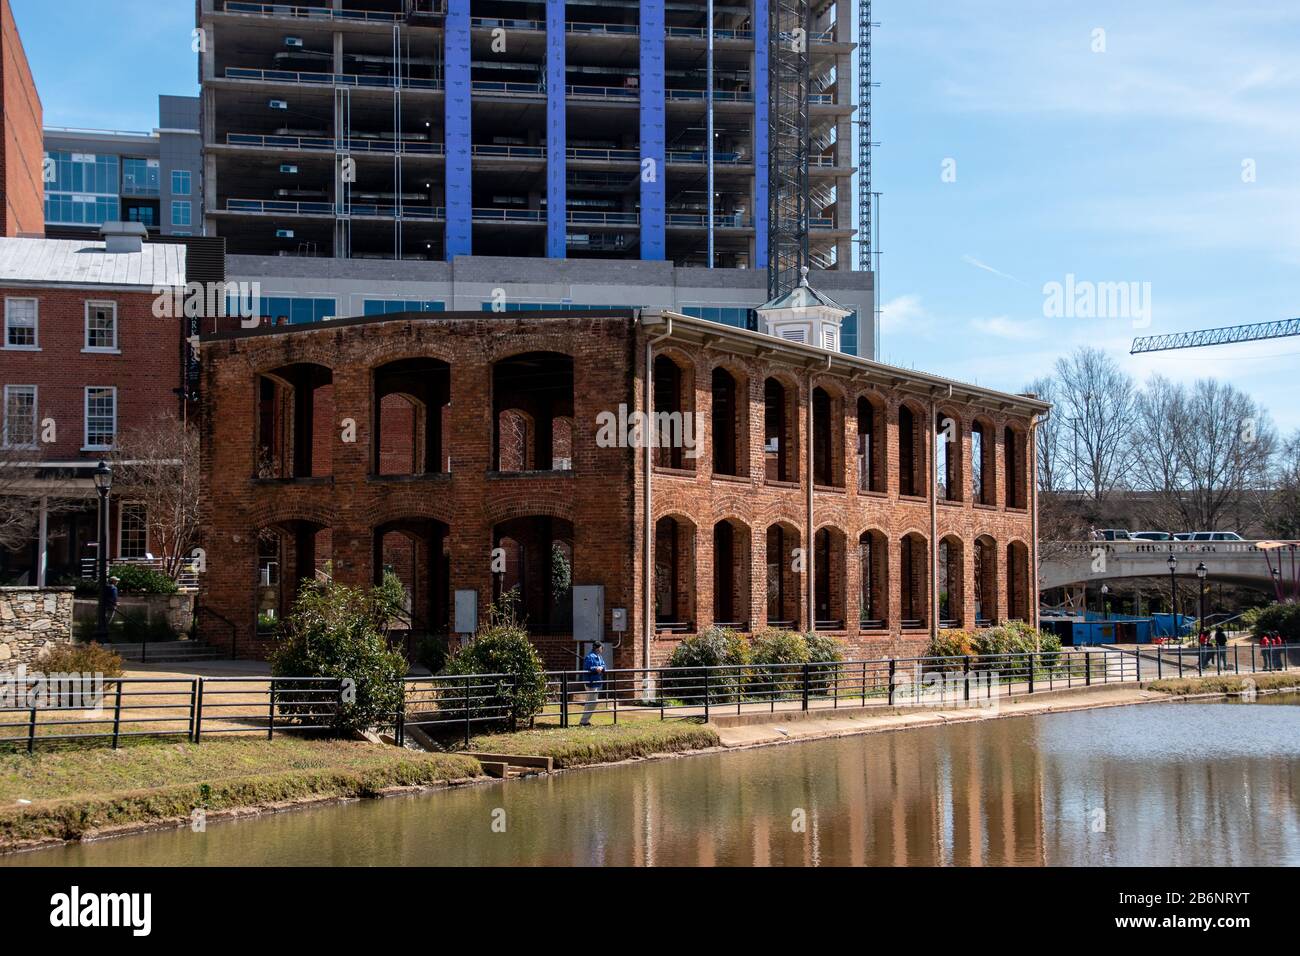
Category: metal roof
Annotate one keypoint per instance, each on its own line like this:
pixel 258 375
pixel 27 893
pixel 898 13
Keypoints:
pixel 85 262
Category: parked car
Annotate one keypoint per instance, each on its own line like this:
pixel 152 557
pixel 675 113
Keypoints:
pixel 1113 534
pixel 1183 536
pixel 1151 536
pixel 1215 536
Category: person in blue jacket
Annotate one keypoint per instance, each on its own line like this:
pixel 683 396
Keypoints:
pixel 594 665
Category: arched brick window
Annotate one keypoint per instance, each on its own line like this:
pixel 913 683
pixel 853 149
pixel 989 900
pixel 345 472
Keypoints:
pixel 731 565
pixel 410 398
pixel 952 591
pixel 539 387
pixel 872 456
pixel 295 422
pixel 780 430
pixel 914 577
pixel 986 581
pixel 873 561
pixel 727 423
pixel 784 599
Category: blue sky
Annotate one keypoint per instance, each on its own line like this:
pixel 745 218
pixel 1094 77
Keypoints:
pixel 1121 165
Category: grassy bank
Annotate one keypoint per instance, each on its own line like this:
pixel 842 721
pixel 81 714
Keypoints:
pixel 73 793
pixel 583 746
pixel 1183 686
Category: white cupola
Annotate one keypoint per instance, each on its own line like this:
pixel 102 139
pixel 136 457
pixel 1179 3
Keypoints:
pixel 803 315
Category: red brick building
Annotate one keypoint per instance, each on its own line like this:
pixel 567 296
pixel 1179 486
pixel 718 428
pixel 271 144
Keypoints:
pixel 499 452
pixel 22 151
pixel 84 360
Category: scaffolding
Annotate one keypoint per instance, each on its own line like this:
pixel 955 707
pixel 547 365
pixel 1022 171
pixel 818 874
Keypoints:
pixel 789 139
pixel 865 196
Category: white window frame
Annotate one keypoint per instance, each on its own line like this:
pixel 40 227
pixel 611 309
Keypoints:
pixel 36 324
pixel 85 412
pixel 35 417
pixel 121 509
pixel 92 304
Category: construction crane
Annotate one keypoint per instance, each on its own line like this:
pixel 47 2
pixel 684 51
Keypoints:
pixel 1223 336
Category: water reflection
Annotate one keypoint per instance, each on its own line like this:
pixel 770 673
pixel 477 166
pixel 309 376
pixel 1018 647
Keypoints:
pixel 1169 784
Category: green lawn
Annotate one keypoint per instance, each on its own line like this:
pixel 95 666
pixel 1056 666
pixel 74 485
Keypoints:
pixel 1182 686
pixel 77 791
pixel 581 746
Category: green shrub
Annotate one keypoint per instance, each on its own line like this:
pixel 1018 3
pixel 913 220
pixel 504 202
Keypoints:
pixel 782 654
pixel 951 643
pixel 824 652
pixel 89 658
pixel 337 632
pixel 712 647
pixel 1283 619
pixel 501 648
pixel 267 622
pixel 431 651
pixel 138 579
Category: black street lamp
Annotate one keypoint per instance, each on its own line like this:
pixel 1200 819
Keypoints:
pixel 1277 581
pixel 1105 607
pixel 103 485
pixel 1201 572
pixel 1173 592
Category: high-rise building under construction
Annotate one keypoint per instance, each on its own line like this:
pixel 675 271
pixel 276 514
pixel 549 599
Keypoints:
pixel 708 141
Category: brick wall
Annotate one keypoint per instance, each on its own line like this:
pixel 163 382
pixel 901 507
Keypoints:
pixel 32 620
pixel 145 368
pixel 22 150
pixel 600 502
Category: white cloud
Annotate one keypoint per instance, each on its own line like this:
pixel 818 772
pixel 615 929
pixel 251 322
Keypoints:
pixel 1005 327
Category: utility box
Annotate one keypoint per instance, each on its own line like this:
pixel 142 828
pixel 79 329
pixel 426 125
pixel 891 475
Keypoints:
pixel 466 620
pixel 618 619
pixel 589 612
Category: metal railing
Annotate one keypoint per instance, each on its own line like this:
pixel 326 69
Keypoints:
pixel 310 13
pixel 110 710
pixel 331 79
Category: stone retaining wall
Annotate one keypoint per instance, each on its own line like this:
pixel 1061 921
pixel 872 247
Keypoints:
pixel 31 620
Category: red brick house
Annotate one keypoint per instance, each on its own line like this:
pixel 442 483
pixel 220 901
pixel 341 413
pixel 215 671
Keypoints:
pixel 84 359
pixel 802 486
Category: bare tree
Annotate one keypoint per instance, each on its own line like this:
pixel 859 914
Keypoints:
pixel 1155 458
pixel 1282 507
pixel 157 465
pixel 1225 443
pixel 1096 405
pixel 1053 475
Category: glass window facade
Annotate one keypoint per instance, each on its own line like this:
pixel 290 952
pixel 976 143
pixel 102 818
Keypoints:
pixel 182 210
pixel 101 326
pixel 290 310
pixel 20 416
pixel 140 177
pixel 101 416
pixel 734 317
pixel 182 182
pixel 133 530
pixel 389 306
pixel 20 323
pixel 84 190
pixel 548 307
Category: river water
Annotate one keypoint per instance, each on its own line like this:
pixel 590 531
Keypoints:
pixel 1154 785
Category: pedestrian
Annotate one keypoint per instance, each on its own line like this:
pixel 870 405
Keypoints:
pixel 1203 640
pixel 111 599
pixel 1221 639
pixel 1266 645
pixel 594 665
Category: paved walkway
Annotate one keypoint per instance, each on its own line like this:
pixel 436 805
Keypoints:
pixel 755 734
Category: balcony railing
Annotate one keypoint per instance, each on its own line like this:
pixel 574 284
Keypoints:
pixel 700 156
pixel 329 79
pixel 734 221
pixel 310 13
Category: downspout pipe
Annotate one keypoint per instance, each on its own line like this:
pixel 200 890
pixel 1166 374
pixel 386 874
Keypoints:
pixel 1034 422
pixel 648 554
pixel 810 583
pixel 933 472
